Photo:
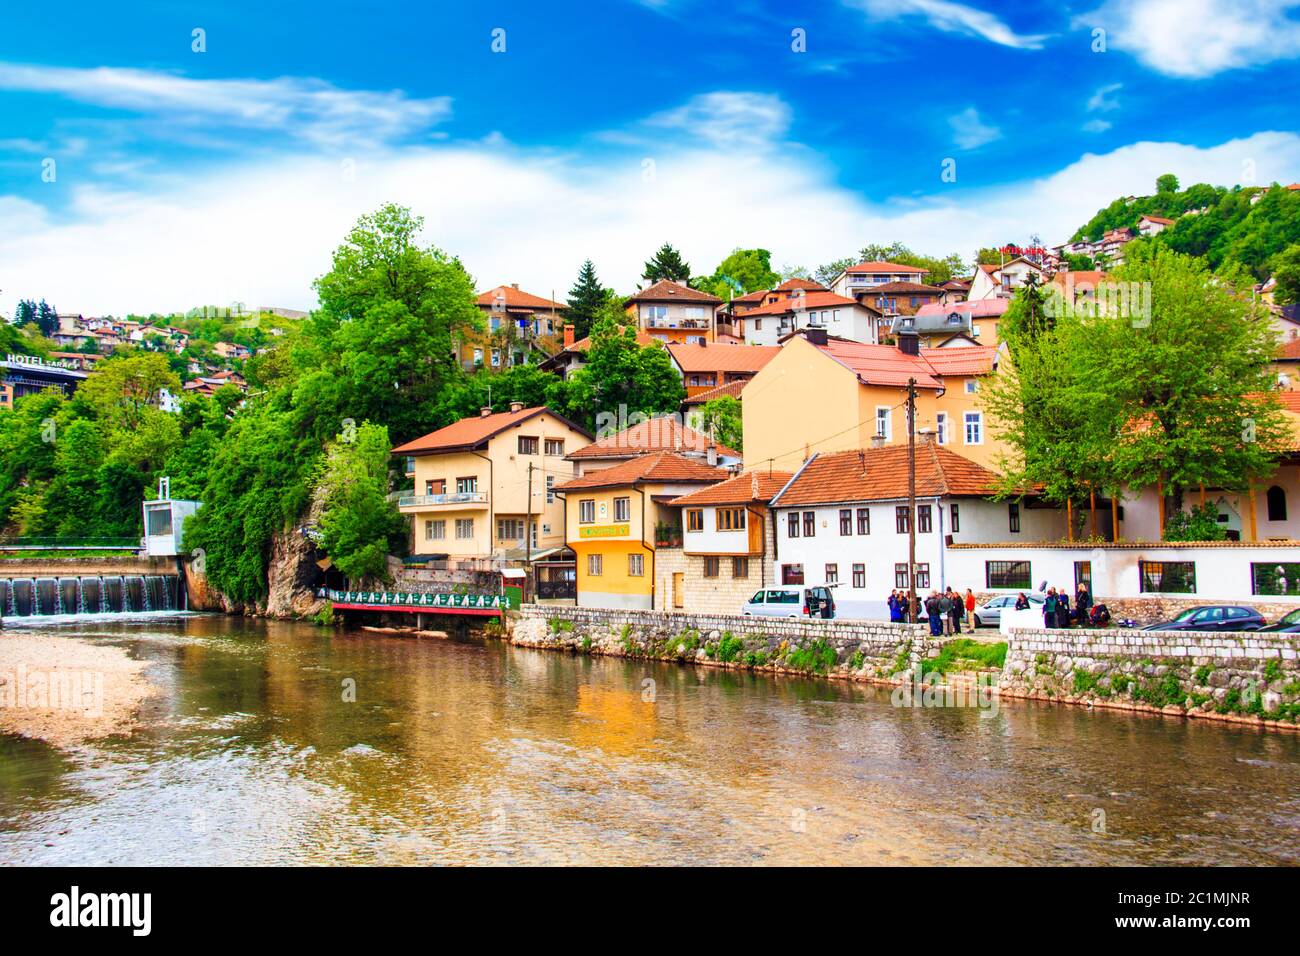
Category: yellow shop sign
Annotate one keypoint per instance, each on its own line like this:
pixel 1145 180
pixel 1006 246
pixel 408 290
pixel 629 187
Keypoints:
pixel 604 531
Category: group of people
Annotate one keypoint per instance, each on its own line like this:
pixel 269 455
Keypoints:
pixel 1056 607
pixel 946 610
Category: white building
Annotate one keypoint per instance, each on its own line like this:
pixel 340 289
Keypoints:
pixel 865 275
pixel 844 318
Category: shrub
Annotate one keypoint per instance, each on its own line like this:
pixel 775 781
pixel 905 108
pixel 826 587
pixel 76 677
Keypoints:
pixel 729 648
pixel 817 657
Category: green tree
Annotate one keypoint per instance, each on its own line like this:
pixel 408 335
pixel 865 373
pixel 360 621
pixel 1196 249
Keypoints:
pixel 47 318
pixel 667 263
pixel 358 525
pixel 827 272
pixel 1168 183
pixel 618 372
pixel 743 271
pixel 721 418
pixel 25 312
pixel 585 299
pixel 521 383
pixel 1286 272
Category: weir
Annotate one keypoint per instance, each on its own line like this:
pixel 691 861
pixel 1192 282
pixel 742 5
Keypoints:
pixel 76 595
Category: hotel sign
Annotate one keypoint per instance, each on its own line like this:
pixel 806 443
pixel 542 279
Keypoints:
pixel 604 531
pixel 35 362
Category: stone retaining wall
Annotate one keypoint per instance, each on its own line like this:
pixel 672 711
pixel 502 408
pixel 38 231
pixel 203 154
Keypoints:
pixel 1246 675
pixel 866 650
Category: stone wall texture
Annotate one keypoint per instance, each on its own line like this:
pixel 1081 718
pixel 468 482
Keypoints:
pixel 1228 675
pixel 1246 677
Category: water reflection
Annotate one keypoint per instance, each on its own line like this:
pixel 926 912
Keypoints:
pixel 258 752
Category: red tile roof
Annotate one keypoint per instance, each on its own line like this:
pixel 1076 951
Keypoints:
pixel 582 345
pixel 1157 219
pixel 760 486
pixel 977 308
pixel 659 467
pixel 651 437
pixel 807 284
pixel 969 360
pixel 512 297
pixel 872 267
pixel 880 474
pixel 722 358
pixel 810 300
pixel 1093 276
pixel 1290 351
pixel 665 291
pixel 881 364
pixel 471 432
pixel 732 389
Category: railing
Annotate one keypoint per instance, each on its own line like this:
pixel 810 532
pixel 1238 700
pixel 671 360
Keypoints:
pixel 677 323
pixel 68 544
pixel 457 498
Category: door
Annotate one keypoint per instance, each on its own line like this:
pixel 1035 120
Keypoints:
pixel 678 600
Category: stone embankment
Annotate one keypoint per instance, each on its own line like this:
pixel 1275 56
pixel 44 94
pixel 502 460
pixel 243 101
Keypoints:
pixel 1249 678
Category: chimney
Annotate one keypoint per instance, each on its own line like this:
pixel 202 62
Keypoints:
pixel 877 441
pixel 485 411
pixel 925 436
pixel 569 333
pixel 711 455
pixel 909 343
pixel 514 285
pixel 516 406
pixel 815 336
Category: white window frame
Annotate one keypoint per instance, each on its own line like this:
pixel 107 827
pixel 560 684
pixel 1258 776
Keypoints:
pixel 887 433
pixel 622 509
pixel 636 565
pixel 595 565
pixel 464 529
pixel 976 419
pixel 586 511
pixel 941 427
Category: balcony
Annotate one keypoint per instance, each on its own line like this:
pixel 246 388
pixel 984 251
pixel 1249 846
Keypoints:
pixel 471 499
pixel 677 324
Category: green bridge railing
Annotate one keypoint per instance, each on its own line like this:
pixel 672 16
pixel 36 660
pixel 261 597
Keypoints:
pixel 23 543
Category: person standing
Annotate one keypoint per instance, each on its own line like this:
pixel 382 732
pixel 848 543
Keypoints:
pixel 945 611
pixel 895 607
pixel 1062 609
pixel 1049 608
pixel 957 612
pixel 932 612
pixel 970 610
pixel 1083 605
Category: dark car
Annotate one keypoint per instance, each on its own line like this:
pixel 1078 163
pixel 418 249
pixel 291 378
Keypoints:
pixel 1290 623
pixel 1214 617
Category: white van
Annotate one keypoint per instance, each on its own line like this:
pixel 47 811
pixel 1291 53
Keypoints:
pixel 791 601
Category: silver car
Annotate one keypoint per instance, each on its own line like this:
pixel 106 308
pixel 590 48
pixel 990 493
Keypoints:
pixel 791 601
pixel 990 612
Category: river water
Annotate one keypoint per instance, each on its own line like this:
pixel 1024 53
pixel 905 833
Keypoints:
pixel 474 752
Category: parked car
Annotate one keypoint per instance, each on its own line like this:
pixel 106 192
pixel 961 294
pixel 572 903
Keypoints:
pixel 791 601
pixel 1213 617
pixel 990 612
pixel 1290 623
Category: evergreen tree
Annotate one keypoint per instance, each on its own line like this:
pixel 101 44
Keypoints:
pixel 668 264
pixel 25 313
pixel 585 298
pixel 47 319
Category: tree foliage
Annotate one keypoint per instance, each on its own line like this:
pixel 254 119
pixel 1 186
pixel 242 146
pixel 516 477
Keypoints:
pixel 743 271
pixel 585 299
pixel 667 263
pixel 721 418
pixel 358 525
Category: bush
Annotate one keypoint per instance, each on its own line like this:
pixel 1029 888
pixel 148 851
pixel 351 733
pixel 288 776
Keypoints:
pixel 729 648
pixel 817 657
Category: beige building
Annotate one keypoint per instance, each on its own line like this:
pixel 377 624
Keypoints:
pixel 484 487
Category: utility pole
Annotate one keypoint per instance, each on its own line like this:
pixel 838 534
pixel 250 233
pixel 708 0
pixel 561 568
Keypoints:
pixel 528 534
pixel 911 500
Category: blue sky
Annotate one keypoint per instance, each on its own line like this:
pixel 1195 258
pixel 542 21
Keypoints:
pixel 602 130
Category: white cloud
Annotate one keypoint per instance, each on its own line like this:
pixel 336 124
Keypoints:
pixel 259 232
pixel 1096 126
pixel 724 118
pixel 312 109
pixel 951 18
pixel 969 132
pixel 1103 100
pixel 1199 38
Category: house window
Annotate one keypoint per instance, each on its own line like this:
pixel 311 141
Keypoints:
pixel 941 428
pixel 1008 574
pixel 793 531
pixel 636 565
pixel 464 528
pixel 758 325
pixel 730 519
pixel 435 486
pixel 622 509
pixel 478 356
pixel 956 517
pixel 974 428
pixel 555 447
pixel 864 521
pixel 1083 575
pixel 586 510
pixel 527 445
pixel 1276 498
pixel 1168 577
pixel 832 574
pixel 923 519
pixel 972 386
pixel 550 489
pixel 859 575
pixel 1274 578
pixel 694 519
pixel 655 312
pixel 510 529
pixel 435 530
pixel 711 567
pixel 900 575
pixel 792 574
pixel 882 421
pixel 846 521
pixel 809 523
pixel 466 486
pixel 740 568
pixel 595 565
pixel 496 358
pixel 1013 517
pixel 902 520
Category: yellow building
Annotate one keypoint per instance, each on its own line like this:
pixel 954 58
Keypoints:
pixel 482 484
pixel 617 516
pixel 828 394
pixel 672 312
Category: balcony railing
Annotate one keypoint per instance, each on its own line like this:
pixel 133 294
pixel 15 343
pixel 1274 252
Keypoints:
pixel 457 498
pixel 677 323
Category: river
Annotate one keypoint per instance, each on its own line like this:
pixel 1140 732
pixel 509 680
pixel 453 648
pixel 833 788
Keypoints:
pixel 481 753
